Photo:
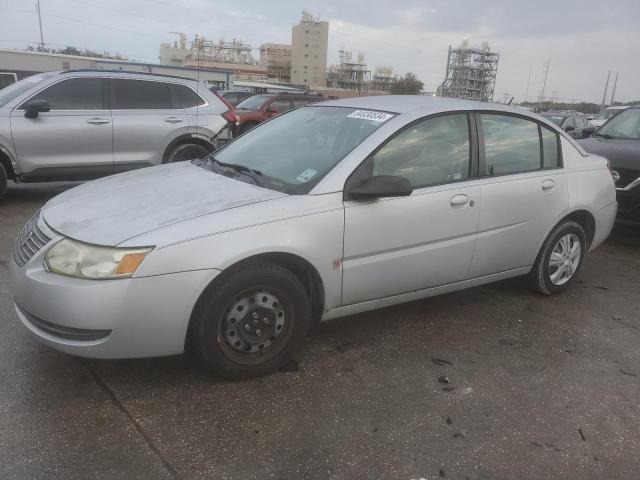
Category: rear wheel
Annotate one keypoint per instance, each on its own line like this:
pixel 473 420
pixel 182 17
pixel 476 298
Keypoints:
pixel 253 321
pixel 560 259
pixel 3 181
pixel 187 151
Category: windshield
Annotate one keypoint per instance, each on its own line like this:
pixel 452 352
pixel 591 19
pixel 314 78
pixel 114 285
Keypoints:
pixel 557 119
pixel 294 151
pixel 625 125
pixel 16 89
pixel 255 102
pixel 606 114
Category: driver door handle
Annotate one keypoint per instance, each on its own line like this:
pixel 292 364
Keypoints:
pixel 548 184
pixel 173 120
pixel 97 121
pixel 459 200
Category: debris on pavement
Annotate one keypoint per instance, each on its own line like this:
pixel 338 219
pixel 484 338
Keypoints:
pixel 440 361
pixel 584 439
pixel 443 379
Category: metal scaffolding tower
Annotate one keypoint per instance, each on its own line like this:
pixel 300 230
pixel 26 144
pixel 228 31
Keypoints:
pixel 471 73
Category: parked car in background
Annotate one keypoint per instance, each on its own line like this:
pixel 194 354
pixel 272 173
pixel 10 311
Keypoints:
pixel 618 140
pixel 259 108
pixel 322 212
pixel 7 78
pixel 570 122
pixel 84 124
pixel 234 97
pixel 606 114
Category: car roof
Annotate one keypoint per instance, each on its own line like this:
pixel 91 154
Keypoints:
pixel 125 74
pixel 421 104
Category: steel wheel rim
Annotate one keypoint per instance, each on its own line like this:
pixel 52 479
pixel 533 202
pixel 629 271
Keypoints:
pixel 252 326
pixel 564 259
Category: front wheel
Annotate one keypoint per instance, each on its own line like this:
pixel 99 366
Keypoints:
pixel 187 151
pixel 252 322
pixel 560 259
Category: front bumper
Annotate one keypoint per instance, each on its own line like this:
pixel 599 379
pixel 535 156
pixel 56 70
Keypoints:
pixel 122 318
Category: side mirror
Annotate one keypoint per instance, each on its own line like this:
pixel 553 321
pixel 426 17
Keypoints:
pixel 382 186
pixel 588 131
pixel 569 128
pixel 33 108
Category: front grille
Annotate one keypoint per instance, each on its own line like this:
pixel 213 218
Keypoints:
pixel 30 240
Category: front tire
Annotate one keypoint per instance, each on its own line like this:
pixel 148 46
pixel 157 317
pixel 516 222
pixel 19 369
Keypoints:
pixel 187 151
pixel 252 322
pixel 560 259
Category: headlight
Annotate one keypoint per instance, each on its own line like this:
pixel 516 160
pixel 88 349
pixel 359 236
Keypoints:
pixel 76 259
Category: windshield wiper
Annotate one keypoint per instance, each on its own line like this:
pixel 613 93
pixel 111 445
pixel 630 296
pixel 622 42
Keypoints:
pixel 252 173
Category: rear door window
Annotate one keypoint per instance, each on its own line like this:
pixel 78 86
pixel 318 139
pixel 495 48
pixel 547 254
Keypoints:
pixel 139 95
pixel 511 144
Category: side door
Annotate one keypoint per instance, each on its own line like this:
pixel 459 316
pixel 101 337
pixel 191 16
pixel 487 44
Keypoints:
pixel 402 244
pixel 524 191
pixel 145 122
pixel 71 141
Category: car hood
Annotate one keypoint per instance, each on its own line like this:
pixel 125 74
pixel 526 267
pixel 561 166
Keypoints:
pixel 620 153
pixel 116 208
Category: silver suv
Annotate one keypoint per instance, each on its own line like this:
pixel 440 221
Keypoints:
pixel 85 124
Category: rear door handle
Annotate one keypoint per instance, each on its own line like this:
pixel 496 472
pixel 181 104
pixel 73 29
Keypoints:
pixel 97 121
pixel 459 200
pixel 173 120
pixel 548 184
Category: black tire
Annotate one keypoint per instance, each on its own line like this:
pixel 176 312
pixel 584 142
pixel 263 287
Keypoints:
pixel 542 272
pixel 3 181
pixel 214 321
pixel 187 151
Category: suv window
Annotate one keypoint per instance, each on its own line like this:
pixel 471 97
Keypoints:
pixel 280 105
pixel 73 94
pixel 183 97
pixel 430 152
pixel 139 94
pixel 511 144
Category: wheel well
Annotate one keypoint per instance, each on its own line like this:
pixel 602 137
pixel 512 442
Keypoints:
pixel 186 139
pixel 6 163
pixel 301 268
pixel 586 221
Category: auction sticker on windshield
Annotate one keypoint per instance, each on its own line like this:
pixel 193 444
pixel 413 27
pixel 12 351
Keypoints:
pixel 371 115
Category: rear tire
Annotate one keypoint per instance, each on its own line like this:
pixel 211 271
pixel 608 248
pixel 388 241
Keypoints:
pixel 3 181
pixel 560 259
pixel 252 322
pixel 187 151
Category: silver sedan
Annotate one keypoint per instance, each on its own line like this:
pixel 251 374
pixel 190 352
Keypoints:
pixel 326 211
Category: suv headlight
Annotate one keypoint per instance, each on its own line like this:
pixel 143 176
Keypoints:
pixel 81 260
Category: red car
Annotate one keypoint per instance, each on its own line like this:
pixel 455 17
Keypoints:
pixel 259 108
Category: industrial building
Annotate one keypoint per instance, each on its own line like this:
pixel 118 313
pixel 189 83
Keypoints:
pixel 234 55
pixel 22 63
pixel 309 43
pixel 277 58
pixel 356 76
pixel 471 73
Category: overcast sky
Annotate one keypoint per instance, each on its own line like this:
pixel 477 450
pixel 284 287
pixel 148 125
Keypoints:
pixel 582 40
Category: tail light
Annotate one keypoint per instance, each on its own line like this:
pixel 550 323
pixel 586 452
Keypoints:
pixel 614 174
pixel 230 115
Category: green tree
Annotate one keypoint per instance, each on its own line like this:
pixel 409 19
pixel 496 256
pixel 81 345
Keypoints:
pixel 407 85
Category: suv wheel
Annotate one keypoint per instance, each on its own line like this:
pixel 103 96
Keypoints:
pixel 187 151
pixel 560 259
pixel 253 322
pixel 3 181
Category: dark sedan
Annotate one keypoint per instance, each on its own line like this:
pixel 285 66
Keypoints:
pixel 618 140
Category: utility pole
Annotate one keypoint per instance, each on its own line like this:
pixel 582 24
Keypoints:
pixel 40 24
pixel 544 85
pixel 613 92
pixel 606 87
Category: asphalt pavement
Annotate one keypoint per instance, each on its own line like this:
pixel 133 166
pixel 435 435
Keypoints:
pixel 495 382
